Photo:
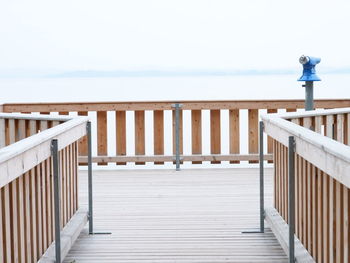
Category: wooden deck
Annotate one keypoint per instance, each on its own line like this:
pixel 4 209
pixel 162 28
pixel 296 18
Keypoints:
pixel 167 216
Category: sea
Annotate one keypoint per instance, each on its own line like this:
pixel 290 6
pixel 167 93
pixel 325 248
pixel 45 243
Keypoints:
pixel 263 87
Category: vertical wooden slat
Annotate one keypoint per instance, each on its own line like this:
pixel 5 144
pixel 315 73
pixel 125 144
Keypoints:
pixel 139 134
pixel 33 202
pixel 196 133
pixel 49 195
pixel 215 133
pixel 158 132
pixel 2 133
pixel 180 132
pixel 346 229
pixel 320 219
pixel 269 139
pixel 83 141
pixel 339 222
pixel 2 232
pixel 38 207
pixel 44 200
pixel 27 217
pixel 234 132
pixel 314 210
pixel 20 219
pixel 309 205
pixel 120 120
pixel 6 226
pixel 332 223
pixel 102 134
pixel 14 221
pixel 253 132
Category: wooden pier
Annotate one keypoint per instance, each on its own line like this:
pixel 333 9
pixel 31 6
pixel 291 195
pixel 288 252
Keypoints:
pixel 168 216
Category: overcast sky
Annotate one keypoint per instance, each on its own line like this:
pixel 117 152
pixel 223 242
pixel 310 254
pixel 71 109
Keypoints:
pixel 177 34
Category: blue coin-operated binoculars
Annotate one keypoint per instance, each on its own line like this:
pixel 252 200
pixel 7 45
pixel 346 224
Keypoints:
pixel 309 76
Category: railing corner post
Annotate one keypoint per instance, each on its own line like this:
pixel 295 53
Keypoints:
pixel 177 107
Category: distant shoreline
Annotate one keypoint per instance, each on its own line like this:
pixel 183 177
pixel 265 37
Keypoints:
pixel 156 73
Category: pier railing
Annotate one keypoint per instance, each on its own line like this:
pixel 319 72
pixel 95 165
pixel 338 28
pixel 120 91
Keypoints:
pixel 200 124
pixel 318 181
pixel 27 205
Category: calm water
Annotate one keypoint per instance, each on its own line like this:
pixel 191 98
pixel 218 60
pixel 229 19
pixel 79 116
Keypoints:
pixel 170 88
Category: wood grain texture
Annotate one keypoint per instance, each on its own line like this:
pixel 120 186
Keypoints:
pixel 83 147
pixel 139 134
pixel 253 131
pixel 234 132
pixel 196 133
pixel 120 120
pixel 215 133
pixel 102 134
pixel 158 133
pixel 191 216
pixel 269 139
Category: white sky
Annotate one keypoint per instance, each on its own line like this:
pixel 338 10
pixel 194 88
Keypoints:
pixel 184 34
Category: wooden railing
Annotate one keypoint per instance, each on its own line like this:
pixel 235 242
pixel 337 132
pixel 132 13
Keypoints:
pixel 202 124
pixel 322 178
pixel 26 181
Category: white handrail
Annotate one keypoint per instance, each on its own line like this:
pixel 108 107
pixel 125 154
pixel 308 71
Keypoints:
pixel 20 157
pixel 325 153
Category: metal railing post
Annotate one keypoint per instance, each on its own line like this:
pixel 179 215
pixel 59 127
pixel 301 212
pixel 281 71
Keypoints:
pixel 291 199
pixel 56 181
pixel 261 168
pixel 91 219
pixel 177 135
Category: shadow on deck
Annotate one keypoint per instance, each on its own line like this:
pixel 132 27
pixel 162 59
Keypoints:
pixel 167 216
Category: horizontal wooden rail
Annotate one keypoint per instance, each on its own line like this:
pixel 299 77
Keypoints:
pixel 236 120
pixel 26 182
pixel 322 178
pixel 170 158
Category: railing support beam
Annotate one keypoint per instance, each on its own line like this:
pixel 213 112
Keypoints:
pixel 89 146
pixel 56 181
pixel 177 107
pixel 291 197
pixel 261 168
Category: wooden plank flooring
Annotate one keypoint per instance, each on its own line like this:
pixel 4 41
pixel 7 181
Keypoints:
pixel 167 216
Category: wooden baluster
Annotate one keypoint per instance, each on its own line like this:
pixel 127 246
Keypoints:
pixel 7 222
pixel 215 133
pixel 158 131
pixel 83 141
pixel 253 131
pixel 120 121
pixel 341 203
pixel 196 133
pixel 320 219
pixel 102 135
pixel 139 134
pixel 180 132
pixel 234 132
pixel 269 139
pixel 2 232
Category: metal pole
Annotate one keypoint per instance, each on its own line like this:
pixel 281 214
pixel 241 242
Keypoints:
pixel 91 221
pixel 261 167
pixel 177 135
pixel 56 181
pixel 309 95
pixel 291 199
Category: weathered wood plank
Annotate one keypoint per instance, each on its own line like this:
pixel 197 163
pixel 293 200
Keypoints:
pixel 139 134
pixel 196 132
pixel 6 197
pixel 253 131
pixel 215 133
pixel 83 147
pixel 120 120
pixel 269 139
pixel 234 137
pixel 102 134
pixel 158 133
